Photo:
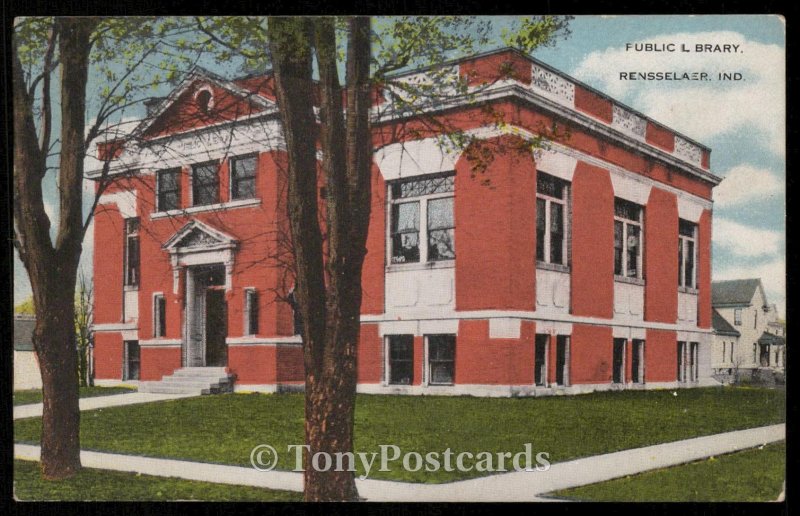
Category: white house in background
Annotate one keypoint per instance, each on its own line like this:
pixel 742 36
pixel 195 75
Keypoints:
pixel 747 333
pixel 26 364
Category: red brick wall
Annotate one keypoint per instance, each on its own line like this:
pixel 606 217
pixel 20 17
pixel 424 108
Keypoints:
pixel 158 362
pixel 290 364
pixel 503 65
pixel 372 273
pixel 591 353
pixel 660 356
pixel 481 360
pixel 495 231
pixel 704 270
pixel 660 137
pixel 370 354
pixel 109 228
pixel 253 365
pixel 108 354
pixel 592 242
pixel 593 104
pixel 660 257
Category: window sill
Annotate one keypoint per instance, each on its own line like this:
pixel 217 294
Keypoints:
pixel 240 203
pixel 688 290
pixel 552 267
pixel 130 288
pixel 630 281
pixel 421 266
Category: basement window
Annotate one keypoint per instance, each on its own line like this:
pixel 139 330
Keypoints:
pixel 441 359
pixel 401 359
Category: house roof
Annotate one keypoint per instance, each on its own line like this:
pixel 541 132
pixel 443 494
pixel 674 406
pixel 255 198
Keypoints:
pixel 735 292
pixel 769 338
pixel 722 326
pixel 23 332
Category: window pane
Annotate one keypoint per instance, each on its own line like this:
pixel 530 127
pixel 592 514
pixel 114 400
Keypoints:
pixel 442 347
pixel 556 233
pixel 541 206
pixel 243 178
pixel 416 188
pixel 633 251
pixel 169 191
pixel 401 359
pixel 442 244
pixel 440 213
pixel 549 185
pixel 132 273
pixel 686 228
pixel 442 373
pixel 689 271
pixel 205 184
pixel 244 188
pixel 405 232
pixel 626 210
pixel 680 262
pixel 618 230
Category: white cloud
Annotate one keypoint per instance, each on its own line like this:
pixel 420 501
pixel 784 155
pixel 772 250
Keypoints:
pixel 746 183
pixel 772 274
pixel 745 241
pixel 702 109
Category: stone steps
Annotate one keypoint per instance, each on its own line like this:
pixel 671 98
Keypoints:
pixel 192 380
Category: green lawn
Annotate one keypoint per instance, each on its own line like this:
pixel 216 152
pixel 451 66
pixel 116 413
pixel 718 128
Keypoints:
pixel 99 485
pixel 35 395
pixel 225 428
pixel 748 476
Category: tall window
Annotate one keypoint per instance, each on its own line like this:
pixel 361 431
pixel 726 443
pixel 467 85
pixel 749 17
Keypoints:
pixel 627 239
pixel 737 316
pixel 401 359
pixel 131 360
pixel 687 238
pixel 441 359
pixel 562 360
pixel 551 219
pixel 205 184
pixel 169 189
pixel 251 311
pixel 159 316
pixel 422 224
pixel 243 177
pixel 132 252
pixel 681 361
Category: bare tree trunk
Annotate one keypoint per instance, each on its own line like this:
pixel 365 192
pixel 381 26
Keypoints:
pixel 52 269
pixel 328 284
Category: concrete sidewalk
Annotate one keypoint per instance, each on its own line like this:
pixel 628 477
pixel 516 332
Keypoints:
pixel 96 402
pixel 507 487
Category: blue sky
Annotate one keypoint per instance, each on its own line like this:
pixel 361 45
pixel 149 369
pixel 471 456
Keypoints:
pixel 743 122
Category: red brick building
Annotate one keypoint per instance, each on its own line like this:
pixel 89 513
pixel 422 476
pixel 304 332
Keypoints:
pixel 549 272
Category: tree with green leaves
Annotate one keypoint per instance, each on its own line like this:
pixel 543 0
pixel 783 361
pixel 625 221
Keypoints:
pixel 51 62
pixel 306 56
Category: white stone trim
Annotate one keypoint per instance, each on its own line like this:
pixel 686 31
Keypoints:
pixel 125 201
pixel 555 163
pixel 505 328
pixel 388 323
pixel 553 328
pixel 418 327
pixel 293 341
pixel 628 188
pixel 240 203
pixel 130 335
pixel 160 343
pixel 689 210
pixel 113 327
pixel 503 391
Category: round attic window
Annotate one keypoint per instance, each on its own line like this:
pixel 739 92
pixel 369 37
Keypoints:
pixel 204 100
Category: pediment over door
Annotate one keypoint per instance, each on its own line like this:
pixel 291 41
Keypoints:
pixel 197 243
